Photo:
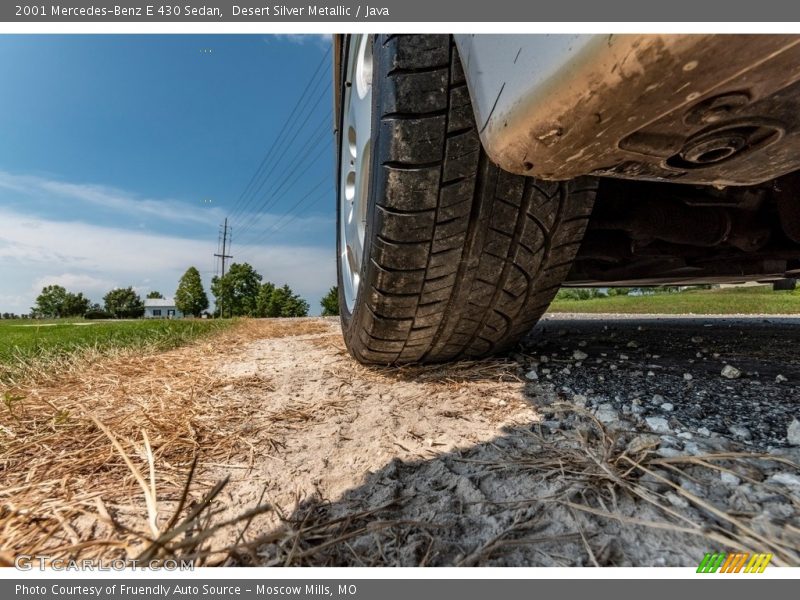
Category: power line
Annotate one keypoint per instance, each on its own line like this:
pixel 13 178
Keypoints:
pixel 279 224
pixel 291 177
pixel 291 169
pixel 288 123
pixel 285 124
pixel 294 216
pixel 297 139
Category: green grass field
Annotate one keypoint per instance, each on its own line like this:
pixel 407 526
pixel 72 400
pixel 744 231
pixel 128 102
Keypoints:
pixel 29 347
pixel 750 300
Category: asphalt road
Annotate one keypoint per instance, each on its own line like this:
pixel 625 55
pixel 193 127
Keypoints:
pixel 671 367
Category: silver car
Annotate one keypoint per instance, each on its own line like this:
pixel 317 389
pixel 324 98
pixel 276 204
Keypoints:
pixel 478 174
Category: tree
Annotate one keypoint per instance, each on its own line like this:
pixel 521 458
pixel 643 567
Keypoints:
pixel 123 303
pixel 75 305
pixel 330 302
pixel 155 295
pixel 295 306
pixel 56 302
pixel 264 301
pixel 190 297
pixel 95 311
pixel 578 294
pixel 50 303
pixel 236 293
pixel 619 291
pixel 285 303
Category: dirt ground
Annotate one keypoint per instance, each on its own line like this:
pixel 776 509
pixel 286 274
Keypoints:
pixel 304 457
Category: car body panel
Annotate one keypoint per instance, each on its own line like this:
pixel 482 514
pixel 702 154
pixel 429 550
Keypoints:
pixel 705 109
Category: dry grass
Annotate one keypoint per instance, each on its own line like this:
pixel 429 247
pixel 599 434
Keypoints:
pixel 594 476
pixel 604 473
pixel 99 462
pixel 117 462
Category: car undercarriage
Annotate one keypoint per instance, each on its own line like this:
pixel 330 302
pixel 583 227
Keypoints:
pixel 651 233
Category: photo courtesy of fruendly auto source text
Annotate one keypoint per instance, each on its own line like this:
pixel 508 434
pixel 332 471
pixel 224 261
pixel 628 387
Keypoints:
pixel 309 300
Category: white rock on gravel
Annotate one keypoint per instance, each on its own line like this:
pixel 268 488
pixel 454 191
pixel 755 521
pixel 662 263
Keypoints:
pixel 579 399
pixel 789 479
pixel 644 441
pixel 676 500
pixel 580 355
pixel 693 449
pixel 740 431
pixel 687 376
pixel 667 406
pixel 780 378
pixel 793 433
pixel 693 488
pixel 667 452
pixel 606 413
pixel 632 344
pixel 704 431
pixel 730 372
pixel 658 424
pixel 532 375
pixel 729 478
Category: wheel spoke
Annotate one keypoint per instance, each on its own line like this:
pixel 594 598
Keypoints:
pixel 355 163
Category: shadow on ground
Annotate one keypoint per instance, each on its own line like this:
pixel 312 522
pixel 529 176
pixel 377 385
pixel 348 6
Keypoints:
pixel 592 482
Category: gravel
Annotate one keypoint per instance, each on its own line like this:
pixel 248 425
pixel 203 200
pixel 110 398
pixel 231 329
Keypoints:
pixel 658 424
pixel 793 433
pixel 752 403
pixel 730 372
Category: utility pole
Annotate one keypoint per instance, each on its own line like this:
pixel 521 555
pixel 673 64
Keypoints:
pixel 223 256
pixel 225 236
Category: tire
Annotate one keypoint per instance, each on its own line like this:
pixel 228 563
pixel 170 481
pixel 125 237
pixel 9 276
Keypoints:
pixel 460 258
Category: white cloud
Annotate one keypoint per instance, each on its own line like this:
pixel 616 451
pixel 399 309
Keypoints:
pixel 255 226
pixel 110 198
pixel 94 258
pixel 75 281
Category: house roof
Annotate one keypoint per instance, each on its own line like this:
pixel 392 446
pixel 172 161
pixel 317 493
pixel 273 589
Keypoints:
pixel 159 303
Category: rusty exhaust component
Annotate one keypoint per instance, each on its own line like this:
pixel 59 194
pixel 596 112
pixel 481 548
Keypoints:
pixel 671 221
pixel 681 216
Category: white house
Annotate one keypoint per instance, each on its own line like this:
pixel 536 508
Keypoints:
pixel 161 308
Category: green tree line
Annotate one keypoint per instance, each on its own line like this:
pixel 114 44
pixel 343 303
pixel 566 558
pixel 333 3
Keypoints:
pixel 241 292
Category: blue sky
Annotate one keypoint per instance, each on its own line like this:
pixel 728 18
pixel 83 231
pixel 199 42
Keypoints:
pixel 121 155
